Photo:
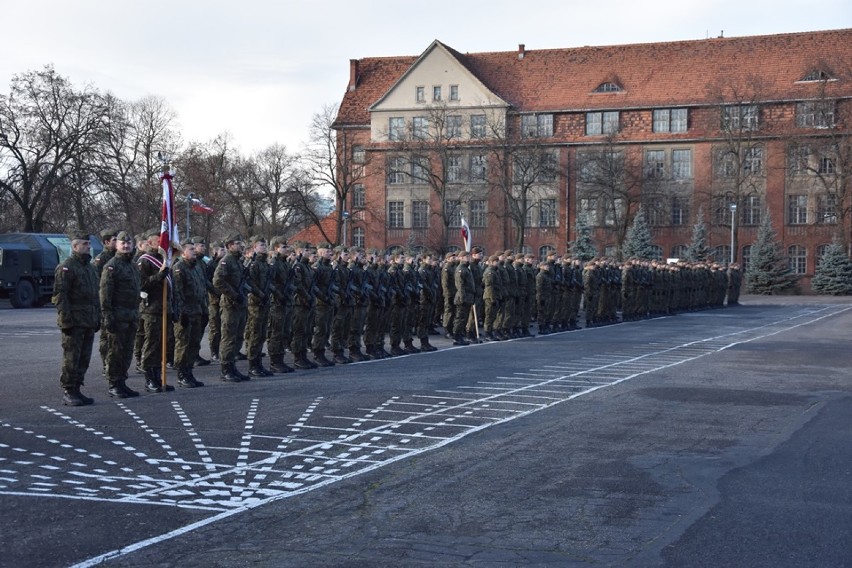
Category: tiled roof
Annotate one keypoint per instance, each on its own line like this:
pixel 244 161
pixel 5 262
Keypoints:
pixel 313 235
pixel 653 74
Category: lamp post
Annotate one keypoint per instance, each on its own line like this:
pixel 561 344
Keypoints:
pixel 189 197
pixel 345 227
pixel 733 208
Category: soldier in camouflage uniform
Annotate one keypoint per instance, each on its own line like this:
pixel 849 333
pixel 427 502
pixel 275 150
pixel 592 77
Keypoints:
pixel 490 296
pixel 464 298
pixel 141 248
pixel 190 289
pixel 345 306
pixel 119 295
pixel 372 322
pixel 229 280
pixel 280 305
pixel 201 265
pixel 361 299
pixel 412 294
pixel 478 309
pixel 108 239
pixel 326 299
pixel 154 271
pixel 448 288
pixel 734 283
pixel 214 308
pixel 427 278
pixel 259 280
pixel 303 302
pixel 75 294
pixel 544 296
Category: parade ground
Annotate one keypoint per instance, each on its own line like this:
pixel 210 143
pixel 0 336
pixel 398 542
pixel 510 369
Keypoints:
pixel 710 438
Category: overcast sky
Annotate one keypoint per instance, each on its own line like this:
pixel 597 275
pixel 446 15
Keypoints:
pixel 260 69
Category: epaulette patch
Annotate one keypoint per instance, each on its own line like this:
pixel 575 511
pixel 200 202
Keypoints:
pixel 64 269
pixel 110 268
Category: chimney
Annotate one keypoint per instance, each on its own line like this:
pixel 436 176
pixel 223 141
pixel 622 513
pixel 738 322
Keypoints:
pixel 521 51
pixel 353 74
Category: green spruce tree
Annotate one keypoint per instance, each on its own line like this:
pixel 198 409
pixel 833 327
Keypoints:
pixel 834 273
pixel 639 243
pixel 768 270
pixel 583 248
pixel 698 251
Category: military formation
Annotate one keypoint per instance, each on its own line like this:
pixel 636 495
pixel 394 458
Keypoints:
pixel 334 305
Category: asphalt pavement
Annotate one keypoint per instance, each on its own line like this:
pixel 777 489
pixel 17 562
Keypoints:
pixel 712 438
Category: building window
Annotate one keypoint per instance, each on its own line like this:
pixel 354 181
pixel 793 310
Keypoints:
pixel 740 117
pixel 798 257
pixel 359 196
pixel 477 168
pixel 816 75
pixel 655 164
pixel 420 94
pixel 454 126
pixel 608 88
pixel 358 237
pixel 544 251
pixel 753 161
pixel 454 169
pixel 589 209
pixel 721 254
pixel 419 214
pixel 396 128
pixel 815 114
pixel 452 209
pixel 752 210
pixel 549 169
pixel 420 127
pixel 598 123
pixel 396 170
pixel 420 171
pixel 547 213
pixel 536 125
pixel 746 258
pixel 682 164
pixel 477 126
pixel 359 155
pixel 679 251
pixel 478 215
pixel 656 252
pixel 614 212
pixel 610 251
pixel 680 211
pixel 655 211
pixel 820 252
pixel 826 209
pixel 826 166
pixel 454 92
pixel 396 215
pixel 798 157
pixel 797 209
pixel 670 120
pixel 436 93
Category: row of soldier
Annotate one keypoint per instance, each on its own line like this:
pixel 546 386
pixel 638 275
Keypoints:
pixel 299 297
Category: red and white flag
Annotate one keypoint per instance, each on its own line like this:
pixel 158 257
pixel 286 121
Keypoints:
pixel 169 235
pixel 199 206
pixel 465 234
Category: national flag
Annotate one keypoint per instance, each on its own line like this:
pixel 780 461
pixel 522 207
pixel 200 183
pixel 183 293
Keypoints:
pixel 465 234
pixel 199 206
pixel 169 235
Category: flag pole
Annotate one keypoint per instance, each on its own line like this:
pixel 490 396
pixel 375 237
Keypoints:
pixel 467 239
pixel 168 226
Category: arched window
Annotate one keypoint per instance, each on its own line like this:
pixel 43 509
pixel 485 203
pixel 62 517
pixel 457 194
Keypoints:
pixel 816 75
pixel 820 252
pixel 798 256
pixel 608 87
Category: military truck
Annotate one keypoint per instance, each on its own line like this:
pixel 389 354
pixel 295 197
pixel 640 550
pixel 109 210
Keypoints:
pixel 27 264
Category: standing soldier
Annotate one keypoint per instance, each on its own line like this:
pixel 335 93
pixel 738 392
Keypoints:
pixel 412 294
pixel 141 248
pixel 345 305
pixel 426 301
pixel 490 296
pixel 214 308
pixel 153 271
pixel 259 283
pixel 229 280
pixel 75 294
pixel 119 295
pixel 202 262
pixel 280 306
pixel 399 304
pixel 327 290
pixel 543 297
pixel 190 287
pixel 361 299
pixel 448 286
pixel 465 296
pixel 303 303
pixel 734 281
pixel 108 239
pixel 373 319
pixel 476 269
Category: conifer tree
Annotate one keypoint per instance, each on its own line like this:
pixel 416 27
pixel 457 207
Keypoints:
pixel 698 251
pixel 639 242
pixel 583 247
pixel 768 270
pixel 834 273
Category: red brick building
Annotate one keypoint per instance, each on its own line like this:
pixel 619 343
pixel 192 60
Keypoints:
pixel 520 143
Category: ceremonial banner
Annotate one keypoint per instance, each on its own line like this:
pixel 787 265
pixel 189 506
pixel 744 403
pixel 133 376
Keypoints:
pixel 465 233
pixel 169 236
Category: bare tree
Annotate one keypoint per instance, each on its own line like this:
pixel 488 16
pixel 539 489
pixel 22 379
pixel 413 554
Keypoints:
pixel 47 128
pixel 274 173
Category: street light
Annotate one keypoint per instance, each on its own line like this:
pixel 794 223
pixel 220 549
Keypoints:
pixel 345 226
pixel 733 208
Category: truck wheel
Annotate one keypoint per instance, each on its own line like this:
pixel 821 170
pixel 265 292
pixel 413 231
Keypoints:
pixel 24 295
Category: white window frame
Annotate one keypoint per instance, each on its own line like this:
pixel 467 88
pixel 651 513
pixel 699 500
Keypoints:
pixel 396 128
pixel 454 93
pixel 420 94
pixel 797 209
pixel 396 214
pixel 477 125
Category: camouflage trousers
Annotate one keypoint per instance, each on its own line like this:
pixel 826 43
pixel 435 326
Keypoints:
pixel 233 329
pixel 152 348
pixel 256 330
pixel 372 325
pixel 356 327
pixel 462 313
pixel 280 328
pixel 188 340
pixel 77 343
pixel 301 329
pixel 214 331
pixel 323 316
pixel 424 319
pixel 491 309
pixel 340 327
pixel 119 352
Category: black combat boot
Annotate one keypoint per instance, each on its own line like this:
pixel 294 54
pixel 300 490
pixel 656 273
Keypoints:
pixel 256 368
pixel 152 380
pixel 460 340
pixel 115 389
pixel 71 397
pixel 425 346
pixel 185 378
pixel 300 361
pixel 410 348
pixel 356 355
pixel 340 358
pixel 122 384
pixel 192 378
pixel 242 376
pixel 214 357
pixel 278 365
pixel 228 373
pixel 319 357
pixel 201 361
pixel 86 400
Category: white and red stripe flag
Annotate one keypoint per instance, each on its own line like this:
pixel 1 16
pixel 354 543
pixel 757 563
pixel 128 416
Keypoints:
pixel 199 206
pixel 465 234
pixel 169 235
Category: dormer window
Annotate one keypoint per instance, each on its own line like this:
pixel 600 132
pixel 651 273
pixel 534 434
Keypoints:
pixel 608 87
pixel 816 75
